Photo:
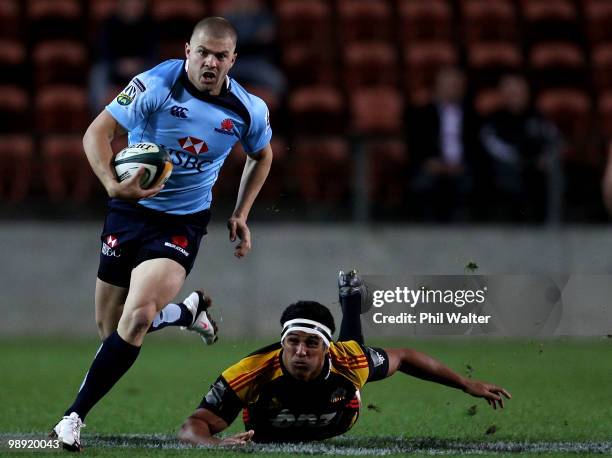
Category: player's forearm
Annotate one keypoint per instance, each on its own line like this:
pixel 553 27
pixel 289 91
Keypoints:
pixel 425 367
pixel 253 177
pixel 96 144
pixel 196 431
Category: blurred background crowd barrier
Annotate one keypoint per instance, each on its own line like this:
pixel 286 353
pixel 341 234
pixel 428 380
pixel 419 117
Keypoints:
pixel 468 111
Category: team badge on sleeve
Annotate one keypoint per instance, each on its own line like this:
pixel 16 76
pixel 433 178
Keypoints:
pixel 128 95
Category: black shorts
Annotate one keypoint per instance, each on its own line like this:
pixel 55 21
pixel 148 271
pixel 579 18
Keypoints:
pixel 133 234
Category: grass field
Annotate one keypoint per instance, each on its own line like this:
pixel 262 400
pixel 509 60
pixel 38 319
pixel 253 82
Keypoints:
pixel 562 399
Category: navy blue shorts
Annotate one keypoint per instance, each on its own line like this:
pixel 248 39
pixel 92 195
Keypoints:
pixel 133 234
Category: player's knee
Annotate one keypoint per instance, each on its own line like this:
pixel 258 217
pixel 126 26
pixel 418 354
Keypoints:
pixel 139 320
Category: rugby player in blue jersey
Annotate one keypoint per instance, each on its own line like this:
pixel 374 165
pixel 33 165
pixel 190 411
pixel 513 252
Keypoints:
pixel 151 236
pixel 306 387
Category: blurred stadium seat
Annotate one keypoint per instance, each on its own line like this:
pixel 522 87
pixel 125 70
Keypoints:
pixel 14 109
pixel 16 164
pixel 377 110
pixel 305 22
pixel 421 63
pixel 68 175
pixel 326 169
pixel 13 61
pixel 175 20
pixel 54 19
pixel 317 109
pixel 388 180
pixel 370 63
pixel 365 21
pixel 487 61
pixel 598 20
pixel 99 11
pixel 305 65
pixel 558 64
pixel 484 20
pixel 487 101
pixel 570 110
pixel 60 62
pixel 604 107
pixel 549 20
pixel 10 23
pixel 601 72
pixel 425 21
pixel 61 108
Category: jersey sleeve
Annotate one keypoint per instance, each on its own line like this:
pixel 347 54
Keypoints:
pixel 260 132
pixel 140 98
pixel 378 363
pixel 222 401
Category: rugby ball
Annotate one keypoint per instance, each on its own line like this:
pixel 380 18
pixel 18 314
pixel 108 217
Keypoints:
pixel 152 157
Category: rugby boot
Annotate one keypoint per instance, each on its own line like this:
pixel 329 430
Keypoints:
pixel 198 304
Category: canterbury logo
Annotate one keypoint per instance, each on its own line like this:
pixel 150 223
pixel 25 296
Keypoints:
pixel 179 112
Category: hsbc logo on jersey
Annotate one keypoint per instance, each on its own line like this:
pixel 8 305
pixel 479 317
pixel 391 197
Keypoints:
pixel 193 145
pixel 109 245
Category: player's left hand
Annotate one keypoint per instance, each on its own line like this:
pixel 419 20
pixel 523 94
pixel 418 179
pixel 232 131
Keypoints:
pixel 492 393
pixel 238 439
pixel 238 229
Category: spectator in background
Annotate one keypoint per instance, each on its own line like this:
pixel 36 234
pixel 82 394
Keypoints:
pixel 256 27
pixel 443 139
pixel 126 45
pixel 521 145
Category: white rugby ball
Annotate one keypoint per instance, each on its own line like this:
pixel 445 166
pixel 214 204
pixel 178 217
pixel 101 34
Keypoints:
pixel 152 157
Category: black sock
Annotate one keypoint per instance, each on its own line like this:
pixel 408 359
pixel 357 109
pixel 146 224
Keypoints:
pixel 171 315
pixel 113 359
pixel 350 328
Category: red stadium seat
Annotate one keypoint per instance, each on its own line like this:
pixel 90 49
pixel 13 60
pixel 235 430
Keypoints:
pixel 558 64
pixel 425 21
pixel 317 109
pixel 54 19
pixel 10 23
pixel 598 20
pixel 604 106
pixel 370 63
pixel 305 22
pixel 601 57
pixel 570 109
pixel 548 20
pixel 388 173
pixel 60 62
pixel 324 168
pixel 484 20
pixel 422 61
pixel 490 60
pixel 377 110
pixel 16 163
pixel 61 109
pixel 68 175
pixel 99 11
pixel 305 65
pixel 14 109
pixel 226 187
pixel 364 21
pixel 175 21
pixel 487 101
pixel 13 62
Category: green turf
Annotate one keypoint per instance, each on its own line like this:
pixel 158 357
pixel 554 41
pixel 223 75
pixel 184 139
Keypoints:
pixel 561 391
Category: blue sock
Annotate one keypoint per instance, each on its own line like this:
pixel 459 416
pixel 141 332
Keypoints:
pixel 171 315
pixel 113 359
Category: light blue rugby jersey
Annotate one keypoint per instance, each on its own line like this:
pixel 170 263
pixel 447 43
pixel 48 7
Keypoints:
pixel 198 130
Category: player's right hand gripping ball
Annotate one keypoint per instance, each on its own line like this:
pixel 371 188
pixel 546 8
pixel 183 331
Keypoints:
pixel 152 157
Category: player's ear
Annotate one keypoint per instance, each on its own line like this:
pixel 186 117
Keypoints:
pixel 187 51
